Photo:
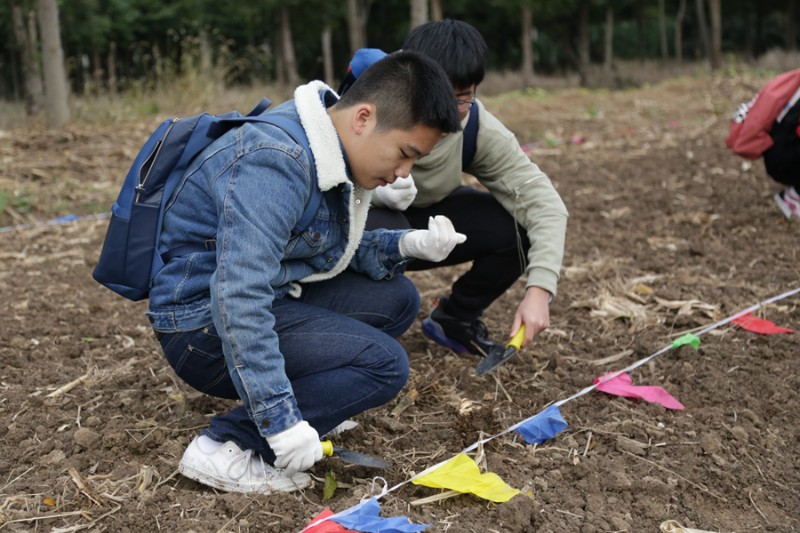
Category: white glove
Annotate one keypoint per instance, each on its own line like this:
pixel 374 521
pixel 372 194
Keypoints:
pixel 398 195
pixel 297 448
pixel 432 244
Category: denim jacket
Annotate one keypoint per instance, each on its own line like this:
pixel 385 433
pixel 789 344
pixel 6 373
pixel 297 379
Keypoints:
pixel 248 190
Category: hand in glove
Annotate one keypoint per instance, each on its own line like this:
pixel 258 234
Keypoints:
pixel 398 195
pixel 432 244
pixel 297 448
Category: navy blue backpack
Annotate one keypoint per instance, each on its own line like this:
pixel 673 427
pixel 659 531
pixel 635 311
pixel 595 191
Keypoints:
pixel 130 257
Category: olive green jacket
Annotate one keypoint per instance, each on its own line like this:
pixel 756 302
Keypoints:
pixel 516 182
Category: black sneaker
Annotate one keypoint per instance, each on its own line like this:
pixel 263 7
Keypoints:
pixel 459 335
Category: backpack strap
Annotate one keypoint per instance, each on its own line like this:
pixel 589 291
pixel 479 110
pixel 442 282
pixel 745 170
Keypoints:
pixel 470 138
pixel 296 132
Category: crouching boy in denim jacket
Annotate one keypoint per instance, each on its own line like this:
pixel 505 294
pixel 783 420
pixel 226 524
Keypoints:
pixel 300 327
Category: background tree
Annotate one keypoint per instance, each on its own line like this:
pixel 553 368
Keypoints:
pixel 357 12
pixel 145 44
pixel 291 74
pixel 419 13
pixel 608 41
pixel 27 40
pixel 662 30
pixel 436 10
pixel 702 26
pixel 679 31
pixel 526 43
pixel 55 79
pixel 716 34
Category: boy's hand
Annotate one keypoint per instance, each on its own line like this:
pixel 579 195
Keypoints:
pixel 432 244
pixel 297 448
pixel 398 195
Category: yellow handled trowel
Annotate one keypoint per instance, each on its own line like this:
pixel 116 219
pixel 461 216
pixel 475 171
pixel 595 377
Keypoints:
pixel 500 355
pixel 349 456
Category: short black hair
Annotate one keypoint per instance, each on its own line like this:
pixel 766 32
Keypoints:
pixel 407 89
pixel 457 46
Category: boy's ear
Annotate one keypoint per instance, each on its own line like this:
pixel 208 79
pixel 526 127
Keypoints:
pixel 363 118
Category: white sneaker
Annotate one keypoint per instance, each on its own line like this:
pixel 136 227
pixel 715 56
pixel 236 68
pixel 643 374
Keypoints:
pixel 227 467
pixel 788 201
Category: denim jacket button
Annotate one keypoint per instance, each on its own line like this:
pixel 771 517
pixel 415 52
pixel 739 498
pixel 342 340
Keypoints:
pixel 317 235
pixel 265 423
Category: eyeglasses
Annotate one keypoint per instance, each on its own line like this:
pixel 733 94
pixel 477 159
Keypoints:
pixel 467 103
pixel 465 97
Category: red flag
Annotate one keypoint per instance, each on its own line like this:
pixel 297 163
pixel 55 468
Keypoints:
pixel 328 526
pixel 759 325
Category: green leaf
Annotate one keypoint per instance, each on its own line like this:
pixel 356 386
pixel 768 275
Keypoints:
pixel 330 486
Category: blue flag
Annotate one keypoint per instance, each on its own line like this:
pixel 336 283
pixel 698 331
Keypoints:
pixel 543 426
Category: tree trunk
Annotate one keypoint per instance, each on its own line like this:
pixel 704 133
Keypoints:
pixel 419 13
pixel 357 24
pixel 280 70
pixel 583 34
pixel 436 10
pixel 112 67
pixel 55 80
pixel 287 47
pixel 327 54
pixel 702 26
pixel 608 49
pixel 97 71
pixel 640 32
pixel 679 31
pixel 30 66
pixel 206 57
pixel 716 34
pixel 527 44
pixel 662 30
pixel 791 26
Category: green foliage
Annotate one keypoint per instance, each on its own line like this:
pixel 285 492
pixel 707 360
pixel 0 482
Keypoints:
pixel 155 42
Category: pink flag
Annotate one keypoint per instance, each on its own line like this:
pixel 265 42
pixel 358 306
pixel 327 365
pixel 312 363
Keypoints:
pixel 622 385
pixel 759 325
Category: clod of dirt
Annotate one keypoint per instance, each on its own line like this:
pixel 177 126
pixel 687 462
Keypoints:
pixel 709 443
pixel 86 437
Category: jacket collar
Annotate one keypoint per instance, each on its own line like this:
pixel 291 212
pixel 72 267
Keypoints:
pixel 322 136
pixel 331 167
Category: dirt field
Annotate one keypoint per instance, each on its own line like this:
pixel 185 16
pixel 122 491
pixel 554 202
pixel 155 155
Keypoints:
pixel 668 233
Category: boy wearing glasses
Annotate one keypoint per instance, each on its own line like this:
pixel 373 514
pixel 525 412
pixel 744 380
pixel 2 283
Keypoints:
pixel 517 227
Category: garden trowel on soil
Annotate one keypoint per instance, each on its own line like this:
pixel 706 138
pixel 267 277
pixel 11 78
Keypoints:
pixel 500 355
pixel 349 456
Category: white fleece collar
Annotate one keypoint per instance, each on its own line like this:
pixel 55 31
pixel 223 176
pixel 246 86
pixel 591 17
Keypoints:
pixel 322 136
pixel 331 168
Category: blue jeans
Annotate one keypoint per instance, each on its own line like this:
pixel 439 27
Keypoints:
pixel 338 343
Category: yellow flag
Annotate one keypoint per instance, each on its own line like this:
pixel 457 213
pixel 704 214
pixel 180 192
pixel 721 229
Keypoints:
pixel 461 474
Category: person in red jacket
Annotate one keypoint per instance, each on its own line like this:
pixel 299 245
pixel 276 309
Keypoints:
pixel 769 126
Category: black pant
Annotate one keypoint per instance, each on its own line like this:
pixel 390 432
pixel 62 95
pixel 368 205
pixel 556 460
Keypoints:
pixel 782 159
pixel 496 244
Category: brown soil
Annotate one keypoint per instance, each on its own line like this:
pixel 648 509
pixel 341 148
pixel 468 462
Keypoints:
pixel 669 233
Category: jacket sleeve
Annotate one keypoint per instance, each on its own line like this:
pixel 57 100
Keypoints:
pixel 378 255
pixel 528 194
pixel 257 205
